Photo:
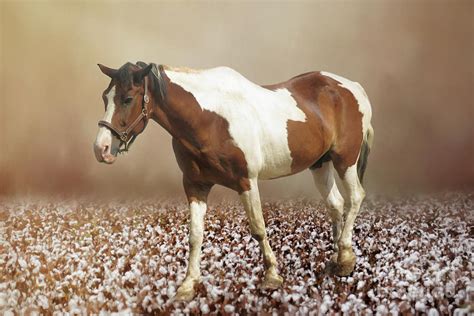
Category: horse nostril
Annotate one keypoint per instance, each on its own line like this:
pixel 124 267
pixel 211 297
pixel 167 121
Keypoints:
pixel 105 149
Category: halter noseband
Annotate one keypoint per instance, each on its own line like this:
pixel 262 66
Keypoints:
pixel 123 135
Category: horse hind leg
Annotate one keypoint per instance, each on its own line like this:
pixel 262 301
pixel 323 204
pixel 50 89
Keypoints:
pixel 324 180
pixel 346 258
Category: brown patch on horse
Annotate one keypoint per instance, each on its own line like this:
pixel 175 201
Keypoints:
pixel 346 147
pixel 333 120
pixel 203 146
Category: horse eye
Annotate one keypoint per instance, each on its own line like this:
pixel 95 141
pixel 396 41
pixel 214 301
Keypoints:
pixel 128 100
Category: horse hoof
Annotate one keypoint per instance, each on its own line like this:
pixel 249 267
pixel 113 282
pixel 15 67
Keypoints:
pixel 184 295
pixel 346 261
pixel 272 282
pixel 331 266
pixel 345 268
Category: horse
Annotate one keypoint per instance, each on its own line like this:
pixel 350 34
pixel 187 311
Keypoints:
pixel 230 131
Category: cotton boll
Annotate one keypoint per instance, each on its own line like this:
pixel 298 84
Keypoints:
pixel 205 309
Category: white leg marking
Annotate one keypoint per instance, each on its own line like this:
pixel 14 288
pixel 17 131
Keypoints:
pixel 356 195
pixel 196 233
pixel 197 211
pixel 326 184
pixel 251 201
pixel 257 116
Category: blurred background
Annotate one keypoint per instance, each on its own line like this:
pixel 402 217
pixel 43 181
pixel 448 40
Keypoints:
pixel 414 58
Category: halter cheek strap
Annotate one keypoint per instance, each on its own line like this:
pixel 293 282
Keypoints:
pixel 123 135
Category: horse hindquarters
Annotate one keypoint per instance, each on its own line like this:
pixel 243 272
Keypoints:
pixel 349 153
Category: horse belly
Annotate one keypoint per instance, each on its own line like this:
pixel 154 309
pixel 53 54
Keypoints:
pixel 276 159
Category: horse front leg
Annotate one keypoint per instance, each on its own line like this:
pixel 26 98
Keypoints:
pixel 197 198
pixel 253 209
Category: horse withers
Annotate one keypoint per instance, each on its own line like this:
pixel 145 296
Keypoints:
pixel 227 130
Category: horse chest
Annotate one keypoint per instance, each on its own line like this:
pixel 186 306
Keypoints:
pixel 257 117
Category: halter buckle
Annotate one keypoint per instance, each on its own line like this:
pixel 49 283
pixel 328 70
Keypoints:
pixel 146 98
pixel 123 137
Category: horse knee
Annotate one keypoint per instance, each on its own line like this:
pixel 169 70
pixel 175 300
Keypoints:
pixel 358 196
pixel 335 209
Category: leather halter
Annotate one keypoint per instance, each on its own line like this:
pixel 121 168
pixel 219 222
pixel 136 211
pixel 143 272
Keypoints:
pixel 143 116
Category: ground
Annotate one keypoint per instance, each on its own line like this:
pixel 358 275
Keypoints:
pixel 413 256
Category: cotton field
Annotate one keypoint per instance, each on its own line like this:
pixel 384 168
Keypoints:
pixel 83 257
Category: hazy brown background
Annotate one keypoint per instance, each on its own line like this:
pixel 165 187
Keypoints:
pixel 414 58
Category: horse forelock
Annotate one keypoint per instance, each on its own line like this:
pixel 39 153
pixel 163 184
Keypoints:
pixel 124 76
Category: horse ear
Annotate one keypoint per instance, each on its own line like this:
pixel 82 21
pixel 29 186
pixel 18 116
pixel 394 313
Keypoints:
pixel 108 71
pixel 141 73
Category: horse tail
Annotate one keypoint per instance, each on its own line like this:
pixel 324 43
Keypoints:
pixel 364 152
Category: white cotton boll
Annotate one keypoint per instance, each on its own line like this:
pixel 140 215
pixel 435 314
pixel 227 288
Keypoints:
pixel 381 310
pixel 346 307
pixel 276 295
pixel 168 258
pixel 412 243
pixel 22 263
pixel 427 282
pixel 8 313
pixel 410 276
pixel 229 309
pixel 402 284
pixel 101 298
pixel 205 308
pixel 3 299
pixel 43 302
pixel 360 284
pixel 450 289
pixel 324 308
pixel 215 293
pixel 171 290
pixel 461 312
pixel 163 270
pixel 372 296
pixel 420 306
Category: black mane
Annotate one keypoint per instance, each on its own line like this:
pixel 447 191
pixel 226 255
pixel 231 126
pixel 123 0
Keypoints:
pixel 157 82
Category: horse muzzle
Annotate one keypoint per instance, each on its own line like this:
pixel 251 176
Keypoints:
pixel 103 153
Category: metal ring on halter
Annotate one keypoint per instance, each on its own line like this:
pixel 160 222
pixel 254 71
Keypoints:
pixel 123 137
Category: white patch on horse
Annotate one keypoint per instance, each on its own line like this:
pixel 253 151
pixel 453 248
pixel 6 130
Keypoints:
pixel 359 93
pixel 257 116
pixel 104 137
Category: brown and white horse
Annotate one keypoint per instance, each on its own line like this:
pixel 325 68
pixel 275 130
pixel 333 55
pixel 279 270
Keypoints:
pixel 227 130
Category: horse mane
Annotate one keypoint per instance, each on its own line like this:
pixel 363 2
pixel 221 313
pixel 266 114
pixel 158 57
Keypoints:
pixel 156 80
pixel 182 69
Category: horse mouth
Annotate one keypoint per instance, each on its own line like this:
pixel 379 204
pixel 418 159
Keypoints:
pixel 104 155
pixel 110 159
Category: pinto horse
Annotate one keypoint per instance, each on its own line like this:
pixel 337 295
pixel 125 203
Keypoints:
pixel 227 130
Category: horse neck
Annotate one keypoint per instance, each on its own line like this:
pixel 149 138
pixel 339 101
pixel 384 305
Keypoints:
pixel 175 113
